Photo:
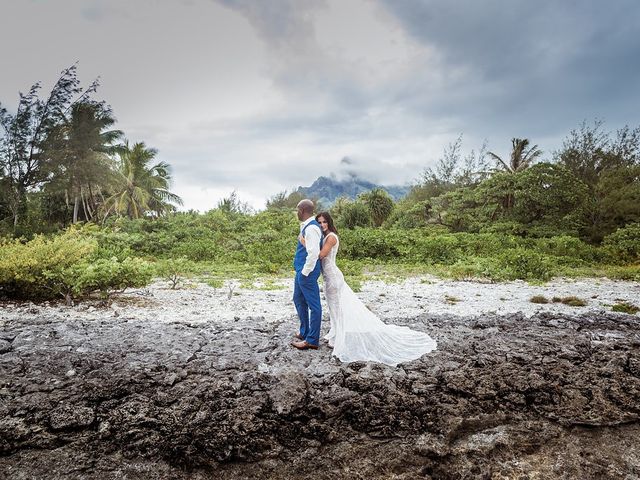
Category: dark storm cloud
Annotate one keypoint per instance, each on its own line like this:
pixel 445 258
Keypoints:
pixel 297 63
pixel 497 69
pixel 535 67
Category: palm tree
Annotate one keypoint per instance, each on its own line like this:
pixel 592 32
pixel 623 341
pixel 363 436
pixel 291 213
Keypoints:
pixel 141 188
pixel 81 150
pixel 522 157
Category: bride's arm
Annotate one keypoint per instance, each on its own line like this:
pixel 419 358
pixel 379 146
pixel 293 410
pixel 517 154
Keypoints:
pixel 329 242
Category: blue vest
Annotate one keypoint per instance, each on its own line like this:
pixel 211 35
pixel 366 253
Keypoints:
pixel 301 252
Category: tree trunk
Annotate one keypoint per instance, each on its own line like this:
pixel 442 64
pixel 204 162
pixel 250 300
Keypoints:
pixel 85 206
pixel 76 207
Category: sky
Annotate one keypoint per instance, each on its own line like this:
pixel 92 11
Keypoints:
pixel 261 96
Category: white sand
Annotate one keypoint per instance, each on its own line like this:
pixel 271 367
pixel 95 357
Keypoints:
pixel 201 303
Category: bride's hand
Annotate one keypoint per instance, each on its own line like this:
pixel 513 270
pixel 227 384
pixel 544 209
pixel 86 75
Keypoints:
pixel 301 238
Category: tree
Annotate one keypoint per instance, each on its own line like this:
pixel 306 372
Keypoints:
pixel 545 199
pixel 351 214
pixel 233 204
pixel 451 171
pixel 609 168
pixel 549 200
pixel 380 205
pixel 522 156
pixel 288 201
pixel 141 188
pixel 284 200
pixel 22 156
pixel 81 150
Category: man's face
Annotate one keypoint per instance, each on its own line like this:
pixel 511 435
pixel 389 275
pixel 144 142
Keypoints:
pixel 300 213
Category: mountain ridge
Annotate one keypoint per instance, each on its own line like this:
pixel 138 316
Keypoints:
pixel 328 189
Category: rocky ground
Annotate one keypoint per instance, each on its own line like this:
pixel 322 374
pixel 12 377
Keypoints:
pixel 89 392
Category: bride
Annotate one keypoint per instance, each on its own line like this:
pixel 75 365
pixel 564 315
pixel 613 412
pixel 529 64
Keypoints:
pixel 356 333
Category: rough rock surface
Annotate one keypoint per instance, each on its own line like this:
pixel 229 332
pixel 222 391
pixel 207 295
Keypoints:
pixel 551 396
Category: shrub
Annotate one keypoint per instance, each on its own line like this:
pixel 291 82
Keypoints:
pixel 471 268
pixel 624 244
pixel 436 249
pixel 66 266
pixel 354 214
pixel 373 243
pixel 196 249
pixel 39 269
pixel 520 263
pixel 572 248
pixel 574 301
pixel 109 275
pixel 175 270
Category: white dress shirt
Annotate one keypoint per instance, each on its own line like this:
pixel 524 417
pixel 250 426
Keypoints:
pixel 312 237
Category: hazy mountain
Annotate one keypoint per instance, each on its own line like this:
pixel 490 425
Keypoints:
pixel 328 189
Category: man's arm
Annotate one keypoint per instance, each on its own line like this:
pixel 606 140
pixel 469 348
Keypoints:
pixel 312 244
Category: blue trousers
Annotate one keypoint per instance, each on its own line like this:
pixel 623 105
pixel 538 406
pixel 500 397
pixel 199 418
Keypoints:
pixel 306 298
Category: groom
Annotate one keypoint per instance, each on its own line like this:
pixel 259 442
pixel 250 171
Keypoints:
pixel 306 294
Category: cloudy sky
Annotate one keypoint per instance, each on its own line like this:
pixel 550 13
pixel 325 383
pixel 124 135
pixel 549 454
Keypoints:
pixel 260 96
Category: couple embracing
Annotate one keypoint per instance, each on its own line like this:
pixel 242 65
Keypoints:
pixel 356 334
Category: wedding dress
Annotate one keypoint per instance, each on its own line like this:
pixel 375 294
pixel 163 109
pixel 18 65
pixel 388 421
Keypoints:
pixel 356 333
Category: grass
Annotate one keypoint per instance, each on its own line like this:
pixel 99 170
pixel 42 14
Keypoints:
pixel 572 301
pixel 614 272
pixel 358 271
pixel 625 307
pixel 539 299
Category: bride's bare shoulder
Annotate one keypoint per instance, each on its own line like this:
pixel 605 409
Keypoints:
pixel 332 235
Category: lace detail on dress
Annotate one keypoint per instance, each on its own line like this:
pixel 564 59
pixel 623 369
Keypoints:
pixel 356 333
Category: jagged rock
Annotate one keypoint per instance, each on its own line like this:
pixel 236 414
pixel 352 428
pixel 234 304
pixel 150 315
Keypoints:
pixel 553 396
pixel 5 346
pixel 70 416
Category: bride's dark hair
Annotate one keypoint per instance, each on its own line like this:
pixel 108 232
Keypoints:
pixel 327 217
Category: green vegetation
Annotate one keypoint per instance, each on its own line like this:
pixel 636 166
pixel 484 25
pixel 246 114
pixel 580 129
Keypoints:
pixel 539 299
pixel 61 163
pixel 625 307
pixel 571 301
pixel 66 266
pixel 82 213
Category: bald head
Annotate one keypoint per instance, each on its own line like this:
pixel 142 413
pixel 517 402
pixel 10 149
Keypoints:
pixel 305 209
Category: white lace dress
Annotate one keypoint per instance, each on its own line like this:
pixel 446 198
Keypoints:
pixel 356 333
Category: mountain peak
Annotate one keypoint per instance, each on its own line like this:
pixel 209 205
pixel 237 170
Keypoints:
pixel 328 189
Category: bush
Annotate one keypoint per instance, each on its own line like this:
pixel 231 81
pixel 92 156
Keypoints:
pixel 572 249
pixel 66 266
pixel 197 250
pixel 523 264
pixel 539 299
pixel 442 249
pixel 39 269
pixel 472 268
pixel 108 275
pixel 354 214
pixel 625 307
pixel 374 243
pixel 623 245
pixel 175 270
